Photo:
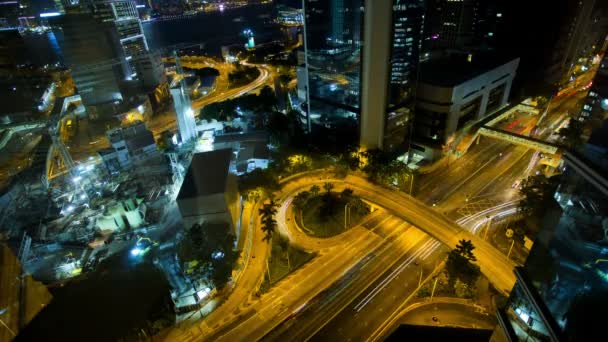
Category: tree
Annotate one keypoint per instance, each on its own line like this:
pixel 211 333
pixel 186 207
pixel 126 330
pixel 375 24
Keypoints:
pixel 465 249
pixel 347 195
pixel 328 187
pixel 459 265
pixel 571 135
pixel 537 191
pixel 258 178
pixel 314 190
pixel 207 250
pixel 269 224
pixel 299 201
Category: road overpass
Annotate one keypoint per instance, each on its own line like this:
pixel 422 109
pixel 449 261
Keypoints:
pixel 494 265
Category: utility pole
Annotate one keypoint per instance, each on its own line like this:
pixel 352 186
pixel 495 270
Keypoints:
pixel 411 182
pixel 346 216
pixel 511 248
pixel 434 286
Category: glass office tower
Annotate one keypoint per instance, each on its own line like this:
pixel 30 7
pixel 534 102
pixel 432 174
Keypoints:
pixel 333 55
pixel 355 98
pixel 406 43
pixel 561 293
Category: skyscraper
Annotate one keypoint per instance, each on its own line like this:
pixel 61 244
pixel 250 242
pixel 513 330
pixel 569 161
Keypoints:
pixel 562 290
pixel 360 68
pixel 104 45
pixel 333 61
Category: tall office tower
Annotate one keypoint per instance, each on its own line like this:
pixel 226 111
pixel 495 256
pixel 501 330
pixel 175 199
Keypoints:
pixel 583 31
pixel 333 61
pixel 140 63
pixel 89 50
pixel 358 69
pixel 561 293
pixel 103 44
pixel 596 103
pixel 406 45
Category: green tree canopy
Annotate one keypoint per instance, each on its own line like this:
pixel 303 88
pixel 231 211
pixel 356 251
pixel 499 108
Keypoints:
pixel 210 247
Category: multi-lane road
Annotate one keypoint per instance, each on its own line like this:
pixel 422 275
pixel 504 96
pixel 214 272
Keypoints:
pixel 360 279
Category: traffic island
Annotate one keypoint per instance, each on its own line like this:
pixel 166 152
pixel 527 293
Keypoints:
pixel 331 214
pixel 284 259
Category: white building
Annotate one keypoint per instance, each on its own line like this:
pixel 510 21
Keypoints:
pixel 453 94
pixel 129 144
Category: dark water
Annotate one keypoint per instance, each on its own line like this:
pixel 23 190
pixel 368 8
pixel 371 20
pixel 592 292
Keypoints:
pixel 41 49
pixel 214 29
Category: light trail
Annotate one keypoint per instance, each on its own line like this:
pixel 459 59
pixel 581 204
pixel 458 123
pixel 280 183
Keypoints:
pixel 430 246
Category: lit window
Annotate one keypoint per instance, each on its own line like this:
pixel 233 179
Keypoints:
pixel 498 15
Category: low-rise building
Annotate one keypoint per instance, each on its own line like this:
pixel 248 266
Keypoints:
pixel 209 192
pixel 129 144
pixel 455 93
pixel 250 149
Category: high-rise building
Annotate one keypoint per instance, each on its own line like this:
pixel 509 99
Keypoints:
pixel 359 68
pixel 89 50
pixel 596 103
pixel 462 25
pixel 561 293
pixel 104 45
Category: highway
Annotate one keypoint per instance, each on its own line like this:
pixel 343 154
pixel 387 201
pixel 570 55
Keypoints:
pixel 493 175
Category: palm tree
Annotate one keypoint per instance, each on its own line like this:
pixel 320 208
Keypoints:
pixel 269 224
pixel 299 201
pixel 347 194
pixel 328 186
pixel 314 190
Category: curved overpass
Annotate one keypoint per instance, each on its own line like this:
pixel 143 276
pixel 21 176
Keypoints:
pixel 244 314
pixel 494 265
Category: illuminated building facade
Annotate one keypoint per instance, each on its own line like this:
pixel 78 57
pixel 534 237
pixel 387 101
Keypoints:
pixel 351 95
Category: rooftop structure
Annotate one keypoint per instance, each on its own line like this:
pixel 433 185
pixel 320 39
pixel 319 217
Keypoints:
pixel 209 191
pixel 129 144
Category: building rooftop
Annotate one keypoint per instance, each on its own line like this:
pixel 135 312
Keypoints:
pixel 241 137
pixel 448 72
pixel 207 174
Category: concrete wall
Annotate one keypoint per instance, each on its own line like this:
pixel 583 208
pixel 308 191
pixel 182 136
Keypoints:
pixel 374 79
pixel 221 207
pixel 451 100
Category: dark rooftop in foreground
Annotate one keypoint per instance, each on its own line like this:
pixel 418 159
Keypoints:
pixel 207 174
pixel 454 70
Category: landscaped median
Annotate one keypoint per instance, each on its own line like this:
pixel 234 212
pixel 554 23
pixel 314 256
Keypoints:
pixel 283 259
pixel 328 213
